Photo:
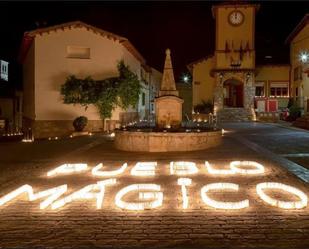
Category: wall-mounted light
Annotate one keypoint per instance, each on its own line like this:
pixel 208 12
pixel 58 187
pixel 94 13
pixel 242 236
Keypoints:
pixel 304 56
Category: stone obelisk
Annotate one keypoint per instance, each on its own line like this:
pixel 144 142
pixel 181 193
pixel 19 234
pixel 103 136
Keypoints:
pixel 168 104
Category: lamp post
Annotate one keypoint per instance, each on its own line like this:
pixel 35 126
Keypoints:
pixel 247 77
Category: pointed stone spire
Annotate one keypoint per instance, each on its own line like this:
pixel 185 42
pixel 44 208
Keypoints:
pixel 168 86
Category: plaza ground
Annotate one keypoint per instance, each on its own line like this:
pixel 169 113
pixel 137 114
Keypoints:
pixel 283 151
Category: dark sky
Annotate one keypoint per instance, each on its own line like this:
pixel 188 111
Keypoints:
pixel 187 28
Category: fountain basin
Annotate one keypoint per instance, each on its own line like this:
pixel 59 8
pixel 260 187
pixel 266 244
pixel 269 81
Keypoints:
pixel 166 141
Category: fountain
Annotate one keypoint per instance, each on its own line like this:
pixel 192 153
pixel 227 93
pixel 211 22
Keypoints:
pixel 169 132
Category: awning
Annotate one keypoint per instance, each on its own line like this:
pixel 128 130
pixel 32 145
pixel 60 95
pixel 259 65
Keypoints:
pixel 259 83
pixel 279 84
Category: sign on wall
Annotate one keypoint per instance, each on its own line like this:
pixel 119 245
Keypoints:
pixel 4 70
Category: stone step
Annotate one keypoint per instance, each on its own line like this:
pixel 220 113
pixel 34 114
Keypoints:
pixel 234 115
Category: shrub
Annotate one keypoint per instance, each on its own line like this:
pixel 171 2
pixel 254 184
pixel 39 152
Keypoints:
pixel 106 94
pixel 295 112
pixel 205 107
pixel 290 103
pixel 80 123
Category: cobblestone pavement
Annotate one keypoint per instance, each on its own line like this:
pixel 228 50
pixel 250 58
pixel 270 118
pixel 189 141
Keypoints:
pixel 80 225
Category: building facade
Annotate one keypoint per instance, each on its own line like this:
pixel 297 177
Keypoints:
pixel 50 55
pixel 10 102
pixel 299 59
pixel 230 78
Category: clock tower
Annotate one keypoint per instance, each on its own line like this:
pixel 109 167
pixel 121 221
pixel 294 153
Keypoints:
pixel 234 59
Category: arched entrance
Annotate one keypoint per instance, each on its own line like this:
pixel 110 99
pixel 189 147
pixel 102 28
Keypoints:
pixel 233 92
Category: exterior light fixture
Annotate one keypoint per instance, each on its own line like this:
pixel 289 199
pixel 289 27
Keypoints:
pixel 183 182
pixel 153 192
pixel 144 169
pixel 257 168
pixel 186 78
pixel 68 168
pixel 304 56
pixel 51 194
pixel 97 172
pixel 278 203
pixel 213 171
pixel 92 191
pixel 222 204
pixel 183 168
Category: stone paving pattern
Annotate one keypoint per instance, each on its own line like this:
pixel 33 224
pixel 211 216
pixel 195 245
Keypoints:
pixel 81 225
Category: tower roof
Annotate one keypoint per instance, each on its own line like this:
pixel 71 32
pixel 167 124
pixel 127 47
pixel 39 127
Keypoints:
pixel 234 4
pixel 298 28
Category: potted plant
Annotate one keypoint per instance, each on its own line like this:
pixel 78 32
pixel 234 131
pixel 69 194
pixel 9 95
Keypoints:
pixel 80 123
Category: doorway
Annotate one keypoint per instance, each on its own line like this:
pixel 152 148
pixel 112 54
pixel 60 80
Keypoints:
pixel 233 91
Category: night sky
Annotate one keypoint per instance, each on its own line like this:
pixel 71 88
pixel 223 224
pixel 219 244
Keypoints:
pixel 187 28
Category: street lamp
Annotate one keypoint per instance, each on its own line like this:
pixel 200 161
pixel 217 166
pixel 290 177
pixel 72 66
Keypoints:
pixel 186 78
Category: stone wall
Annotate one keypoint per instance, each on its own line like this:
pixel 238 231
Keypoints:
pixel 58 128
pixel 235 114
pixel 164 142
pixel 168 111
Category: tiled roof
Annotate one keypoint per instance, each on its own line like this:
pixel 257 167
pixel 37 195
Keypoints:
pixel 298 28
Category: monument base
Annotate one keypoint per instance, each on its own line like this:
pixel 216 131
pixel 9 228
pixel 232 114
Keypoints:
pixel 168 111
pixel 165 141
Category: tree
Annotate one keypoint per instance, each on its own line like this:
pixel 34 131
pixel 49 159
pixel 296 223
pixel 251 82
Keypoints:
pixel 107 94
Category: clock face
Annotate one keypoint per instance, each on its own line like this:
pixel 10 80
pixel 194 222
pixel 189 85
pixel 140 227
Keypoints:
pixel 236 17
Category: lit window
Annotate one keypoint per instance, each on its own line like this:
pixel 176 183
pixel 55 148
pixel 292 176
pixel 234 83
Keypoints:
pixel 259 91
pixel 278 89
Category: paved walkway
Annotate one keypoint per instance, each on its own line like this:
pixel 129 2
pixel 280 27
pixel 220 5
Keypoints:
pixel 80 225
pixel 271 140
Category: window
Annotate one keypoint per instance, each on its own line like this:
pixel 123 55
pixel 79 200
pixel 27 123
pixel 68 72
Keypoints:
pixel 284 91
pixel 298 73
pixel 142 74
pixel 78 52
pixel 143 99
pixel 279 89
pixel 259 89
pixel 279 92
pixel 296 91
